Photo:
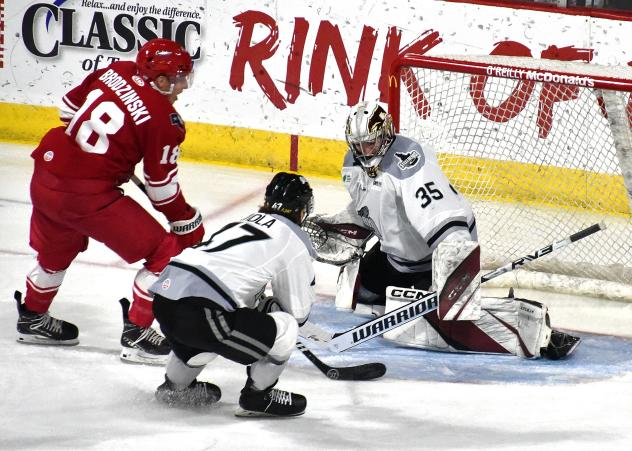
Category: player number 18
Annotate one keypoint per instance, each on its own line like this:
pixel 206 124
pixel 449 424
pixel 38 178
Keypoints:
pixel 105 119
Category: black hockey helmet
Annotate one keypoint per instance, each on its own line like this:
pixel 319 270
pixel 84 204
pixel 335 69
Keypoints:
pixel 289 194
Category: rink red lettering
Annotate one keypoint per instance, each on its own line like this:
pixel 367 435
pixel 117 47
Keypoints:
pixel 420 46
pixel 254 55
pixel 328 42
pixel 295 59
pixel 354 81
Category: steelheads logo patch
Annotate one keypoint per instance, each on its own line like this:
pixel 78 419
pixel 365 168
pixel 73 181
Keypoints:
pixel 407 160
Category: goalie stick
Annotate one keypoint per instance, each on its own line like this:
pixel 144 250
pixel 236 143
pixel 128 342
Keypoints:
pixel 425 302
pixel 364 372
pixel 544 251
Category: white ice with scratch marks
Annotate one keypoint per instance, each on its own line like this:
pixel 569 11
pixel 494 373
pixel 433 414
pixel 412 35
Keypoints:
pixel 83 397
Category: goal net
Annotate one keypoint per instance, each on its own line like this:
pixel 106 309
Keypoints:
pixel 542 149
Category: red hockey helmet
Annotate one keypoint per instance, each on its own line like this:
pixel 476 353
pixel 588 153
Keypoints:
pixel 163 57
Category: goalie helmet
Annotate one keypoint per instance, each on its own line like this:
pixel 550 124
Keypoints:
pixel 288 195
pixel 164 57
pixel 369 133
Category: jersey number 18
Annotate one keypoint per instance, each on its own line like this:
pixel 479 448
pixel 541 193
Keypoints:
pixel 105 119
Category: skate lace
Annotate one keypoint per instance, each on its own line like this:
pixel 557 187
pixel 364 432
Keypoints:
pixel 151 336
pixel 281 397
pixel 49 323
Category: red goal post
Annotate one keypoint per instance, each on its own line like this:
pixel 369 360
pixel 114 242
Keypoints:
pixel 540 147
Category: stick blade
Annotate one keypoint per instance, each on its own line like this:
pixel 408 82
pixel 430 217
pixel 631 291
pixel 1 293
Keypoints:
pixel 365 372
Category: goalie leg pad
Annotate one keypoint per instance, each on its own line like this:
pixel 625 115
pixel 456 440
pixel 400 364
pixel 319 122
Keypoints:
pixel 446 259
pixel 519 325
pixel 507 326
pixel 533 326
pixel 346 285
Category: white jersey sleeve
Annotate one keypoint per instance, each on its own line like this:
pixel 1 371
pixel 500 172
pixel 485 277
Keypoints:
pixel 293 287
pixel 239 260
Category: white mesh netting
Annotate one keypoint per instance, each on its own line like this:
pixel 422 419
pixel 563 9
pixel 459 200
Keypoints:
pixel 537 160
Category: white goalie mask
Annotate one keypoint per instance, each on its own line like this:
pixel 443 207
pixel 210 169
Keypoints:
pixel 369 133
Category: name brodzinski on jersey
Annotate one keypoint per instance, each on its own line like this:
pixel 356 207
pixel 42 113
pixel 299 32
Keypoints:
pixel 126 27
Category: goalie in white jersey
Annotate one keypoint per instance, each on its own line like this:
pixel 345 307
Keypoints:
pixel 209 302
pixel 401 196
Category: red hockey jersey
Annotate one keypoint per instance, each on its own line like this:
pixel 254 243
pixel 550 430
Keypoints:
pixel 114 119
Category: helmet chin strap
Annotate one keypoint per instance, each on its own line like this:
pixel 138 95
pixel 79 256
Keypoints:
pixel 372 171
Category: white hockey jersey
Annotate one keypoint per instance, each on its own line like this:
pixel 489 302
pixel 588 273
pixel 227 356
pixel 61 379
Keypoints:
pixel 410 205
pixel 238 261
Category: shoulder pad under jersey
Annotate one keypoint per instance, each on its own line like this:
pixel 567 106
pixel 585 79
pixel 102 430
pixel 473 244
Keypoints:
pixel 403 159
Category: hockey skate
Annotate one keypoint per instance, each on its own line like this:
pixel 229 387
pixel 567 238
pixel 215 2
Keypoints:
pixel 197 394
pixel 269 403
pixel 142 344
pixel 43 329
pixel 560 346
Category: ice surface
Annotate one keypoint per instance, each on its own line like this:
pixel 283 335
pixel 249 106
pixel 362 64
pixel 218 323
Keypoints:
pixel 84 397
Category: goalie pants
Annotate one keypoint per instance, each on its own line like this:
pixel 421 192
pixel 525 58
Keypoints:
pixel 376 273
pixel 66 212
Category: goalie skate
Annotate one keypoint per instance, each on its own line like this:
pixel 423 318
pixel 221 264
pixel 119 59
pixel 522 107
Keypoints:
pixel 197 394
pixel 560 346
pixel 269 403
pixel 142 344
pixel 43 329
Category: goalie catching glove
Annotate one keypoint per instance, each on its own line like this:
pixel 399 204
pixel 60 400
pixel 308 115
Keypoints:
pixel 336 243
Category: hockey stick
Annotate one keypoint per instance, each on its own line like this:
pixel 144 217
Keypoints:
pixel 544 251
pixel 426 302
pixel 364 372
pixel 139 183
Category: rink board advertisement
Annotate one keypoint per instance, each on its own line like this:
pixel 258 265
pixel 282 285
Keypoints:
pixel 273 80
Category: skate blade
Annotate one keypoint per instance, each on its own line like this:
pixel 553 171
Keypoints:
pixel 574 347
pixel 180 404
pixel 39 340
pixel 243 413
pixel 140 357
